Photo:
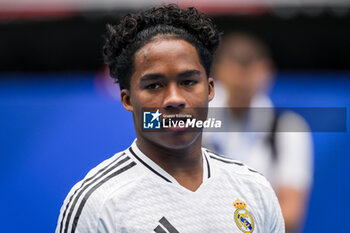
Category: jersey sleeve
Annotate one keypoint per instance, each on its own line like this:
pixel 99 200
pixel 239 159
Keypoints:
pixel 95 216
pixel 106 219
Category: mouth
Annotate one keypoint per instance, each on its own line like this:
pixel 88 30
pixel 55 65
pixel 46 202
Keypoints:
pixel 176 124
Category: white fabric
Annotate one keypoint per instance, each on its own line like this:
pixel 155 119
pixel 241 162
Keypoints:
pixel 294 166
pixel 137 199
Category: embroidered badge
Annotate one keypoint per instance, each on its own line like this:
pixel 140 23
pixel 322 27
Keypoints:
pixel 244 220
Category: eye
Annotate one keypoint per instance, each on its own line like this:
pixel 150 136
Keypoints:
pixel 188 82
pixel 153 86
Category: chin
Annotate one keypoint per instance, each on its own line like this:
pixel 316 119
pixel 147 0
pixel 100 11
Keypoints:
pixel 175 140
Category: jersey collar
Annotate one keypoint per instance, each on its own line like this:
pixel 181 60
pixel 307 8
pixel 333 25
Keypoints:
pixel 157 170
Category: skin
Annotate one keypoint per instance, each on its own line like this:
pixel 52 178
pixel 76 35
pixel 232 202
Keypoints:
pixel 293 204
pixel 168 76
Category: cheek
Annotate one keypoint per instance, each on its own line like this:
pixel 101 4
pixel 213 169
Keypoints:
pixel 198 96
pixel 143 99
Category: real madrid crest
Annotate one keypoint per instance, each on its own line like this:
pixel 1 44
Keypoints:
pixel 244 220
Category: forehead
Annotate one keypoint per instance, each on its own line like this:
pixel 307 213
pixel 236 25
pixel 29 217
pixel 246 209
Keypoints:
pixel 166 56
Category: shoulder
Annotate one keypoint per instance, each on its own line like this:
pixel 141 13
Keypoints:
pixel 116 170
pixel 237 170
pixel 253 187
pixel 86 198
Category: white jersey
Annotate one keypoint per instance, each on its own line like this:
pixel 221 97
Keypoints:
pixel 129 193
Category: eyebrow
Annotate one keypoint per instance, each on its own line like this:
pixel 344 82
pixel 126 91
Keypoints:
pixel 156 76
pixel 189 73
pixel 148 77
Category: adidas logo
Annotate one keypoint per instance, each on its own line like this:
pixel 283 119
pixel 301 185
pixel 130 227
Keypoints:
pixel 165 227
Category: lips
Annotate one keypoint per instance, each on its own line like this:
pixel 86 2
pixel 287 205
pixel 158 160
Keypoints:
pixel 176 124
pixel 176 119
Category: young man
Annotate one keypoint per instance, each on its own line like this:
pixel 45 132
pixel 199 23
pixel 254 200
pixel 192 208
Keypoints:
pixel 165 181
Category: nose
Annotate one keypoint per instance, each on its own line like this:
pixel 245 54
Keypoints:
pixel 173 97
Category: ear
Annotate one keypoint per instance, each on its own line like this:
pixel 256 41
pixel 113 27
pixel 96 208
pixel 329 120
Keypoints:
pixel 211 92
pixel 125 98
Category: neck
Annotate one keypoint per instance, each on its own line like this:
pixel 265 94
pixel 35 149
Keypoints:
pixel 185 165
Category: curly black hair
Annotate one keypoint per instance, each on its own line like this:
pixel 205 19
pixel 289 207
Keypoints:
pixel 136 30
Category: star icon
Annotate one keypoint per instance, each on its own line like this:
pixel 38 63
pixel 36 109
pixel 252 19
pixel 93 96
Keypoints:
pixel 155 115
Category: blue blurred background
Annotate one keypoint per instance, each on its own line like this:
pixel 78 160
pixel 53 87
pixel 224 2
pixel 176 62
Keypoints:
pixel 60 117
pixel 54 130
